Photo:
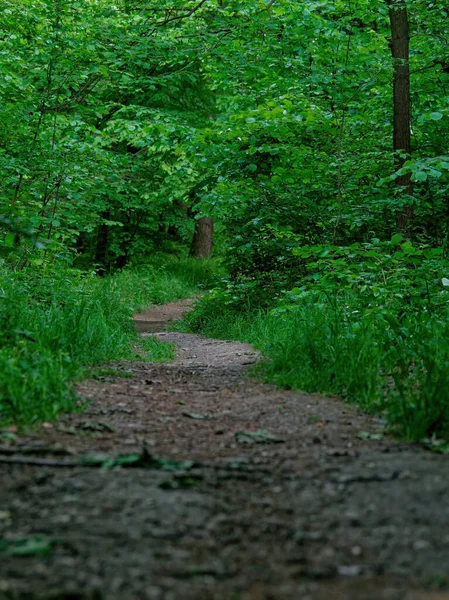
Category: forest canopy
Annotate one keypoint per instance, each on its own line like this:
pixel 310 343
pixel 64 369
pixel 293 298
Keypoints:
pixel 118 118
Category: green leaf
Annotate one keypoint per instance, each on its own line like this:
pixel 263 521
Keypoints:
pixel 10 239
pixel 419 176
pixel 31 546
pixel 436 116
pixel 397 238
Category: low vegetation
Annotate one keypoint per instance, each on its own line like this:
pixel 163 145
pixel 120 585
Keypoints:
pixel 369 323
pixel 54 327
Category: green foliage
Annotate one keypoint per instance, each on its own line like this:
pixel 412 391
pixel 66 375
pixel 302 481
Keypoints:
pixel 274 117
pixel 302 147
pixel 369 323
pixel 94 124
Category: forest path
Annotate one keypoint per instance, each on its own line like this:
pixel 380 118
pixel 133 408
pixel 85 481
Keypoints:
pixel 253 493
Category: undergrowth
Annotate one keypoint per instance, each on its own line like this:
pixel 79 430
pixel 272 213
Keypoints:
pixel 375 336
pixel 56 323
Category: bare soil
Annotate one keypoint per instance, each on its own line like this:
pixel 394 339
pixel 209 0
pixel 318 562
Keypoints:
pixel 244 492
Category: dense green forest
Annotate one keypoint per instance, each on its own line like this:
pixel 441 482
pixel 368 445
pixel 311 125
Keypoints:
pixel 313 137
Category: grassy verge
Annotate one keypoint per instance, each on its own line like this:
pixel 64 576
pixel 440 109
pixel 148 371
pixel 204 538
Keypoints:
pixel 54 324
pixel 396 365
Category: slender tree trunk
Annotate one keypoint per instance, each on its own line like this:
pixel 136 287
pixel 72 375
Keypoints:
pixel 101 246
pixel 202 238
pixel 401 105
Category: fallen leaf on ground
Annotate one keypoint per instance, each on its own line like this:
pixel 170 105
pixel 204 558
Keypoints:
pixel 197 416
pixel 142 459
pixel 32 546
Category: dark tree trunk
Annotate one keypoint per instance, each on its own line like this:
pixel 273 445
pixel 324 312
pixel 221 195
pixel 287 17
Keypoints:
pixel 202 238
pixel 101 246
pixel 401 104
pixel 122 261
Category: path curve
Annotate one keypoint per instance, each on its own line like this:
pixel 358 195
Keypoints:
pixel 280 497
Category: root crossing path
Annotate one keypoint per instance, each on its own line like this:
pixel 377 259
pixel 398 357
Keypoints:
pixel 203 484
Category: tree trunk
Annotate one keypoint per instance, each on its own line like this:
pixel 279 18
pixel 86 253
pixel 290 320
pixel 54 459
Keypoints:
pixel 101 246
pixel 401 105
pixel 202 238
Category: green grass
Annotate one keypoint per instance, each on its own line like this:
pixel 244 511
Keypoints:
pixel 159 351
pixel 56 323
pixel 398 367
pixel 162 279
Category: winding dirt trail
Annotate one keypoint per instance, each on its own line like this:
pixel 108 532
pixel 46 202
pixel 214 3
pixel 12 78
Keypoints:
pixel 243 492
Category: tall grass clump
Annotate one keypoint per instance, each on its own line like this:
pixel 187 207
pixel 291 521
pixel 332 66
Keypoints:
pixel 312 348
pixel 55 323
pixel 162 279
